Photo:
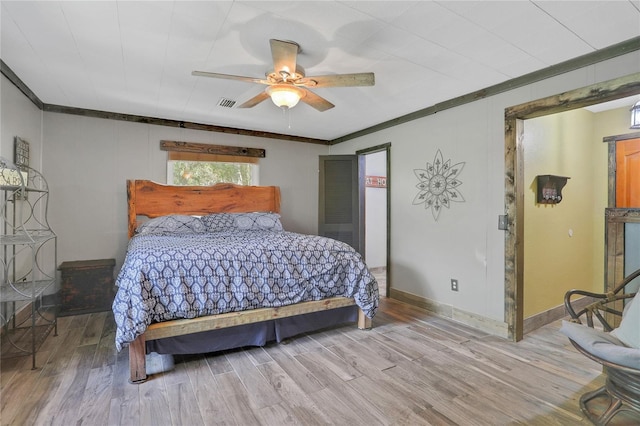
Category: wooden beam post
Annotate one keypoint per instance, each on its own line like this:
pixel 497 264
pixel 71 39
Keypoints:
pixel 137 360
pixel 364 322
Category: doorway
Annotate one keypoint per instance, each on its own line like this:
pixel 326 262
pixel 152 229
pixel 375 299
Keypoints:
pixel 622 216
pixel 376 213
pixel 563 235
pixel 342 206
pixel 515 184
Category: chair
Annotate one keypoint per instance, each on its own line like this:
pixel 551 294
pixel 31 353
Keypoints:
pixel 621 363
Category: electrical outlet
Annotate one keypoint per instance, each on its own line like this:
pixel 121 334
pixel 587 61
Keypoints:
pixel 454 284
pixel 502 222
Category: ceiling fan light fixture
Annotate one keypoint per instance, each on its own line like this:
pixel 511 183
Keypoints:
pixel 285 95
pixel 635 116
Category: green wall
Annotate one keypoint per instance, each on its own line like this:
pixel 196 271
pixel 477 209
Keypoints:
pixel 564 243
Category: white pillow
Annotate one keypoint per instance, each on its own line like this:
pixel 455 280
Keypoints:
pixel 629 330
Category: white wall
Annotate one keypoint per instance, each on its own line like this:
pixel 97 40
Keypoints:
pixel 465 242
pixel 19 117
pixel 376 212
pixel 88 160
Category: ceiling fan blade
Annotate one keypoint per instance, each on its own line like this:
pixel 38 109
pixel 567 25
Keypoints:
pixel 284 54
pixel 255 100
pixel 229 77
pixel 338 80
pixel 318 102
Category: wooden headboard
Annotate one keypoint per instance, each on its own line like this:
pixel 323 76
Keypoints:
pixel 151 199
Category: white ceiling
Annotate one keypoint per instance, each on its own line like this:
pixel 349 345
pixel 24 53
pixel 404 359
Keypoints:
pixel 137 57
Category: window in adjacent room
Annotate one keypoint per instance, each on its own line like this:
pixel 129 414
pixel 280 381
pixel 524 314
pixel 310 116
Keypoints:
pixel 186 168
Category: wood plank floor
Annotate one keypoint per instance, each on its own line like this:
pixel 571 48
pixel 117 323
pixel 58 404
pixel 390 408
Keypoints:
pixel 413 368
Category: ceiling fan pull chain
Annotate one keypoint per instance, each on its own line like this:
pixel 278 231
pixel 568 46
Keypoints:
pixel 287 113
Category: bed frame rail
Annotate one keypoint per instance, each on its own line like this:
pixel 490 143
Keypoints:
pixel 137 348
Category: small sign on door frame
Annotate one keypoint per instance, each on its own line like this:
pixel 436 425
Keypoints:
pixel 375 181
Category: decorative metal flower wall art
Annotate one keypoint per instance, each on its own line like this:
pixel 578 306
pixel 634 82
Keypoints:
pixel 438 185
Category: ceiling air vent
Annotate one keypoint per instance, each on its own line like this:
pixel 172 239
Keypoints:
pixel 226 103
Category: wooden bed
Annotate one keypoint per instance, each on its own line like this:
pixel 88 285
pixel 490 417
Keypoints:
pixel 149 199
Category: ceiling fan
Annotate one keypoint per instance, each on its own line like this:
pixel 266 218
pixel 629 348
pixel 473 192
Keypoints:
pixel 287 83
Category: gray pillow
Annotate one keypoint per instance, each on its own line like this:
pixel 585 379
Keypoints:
pixel 172 224
pixel 601 344
pixel 268 221
pixel 629 329
pixel 216 222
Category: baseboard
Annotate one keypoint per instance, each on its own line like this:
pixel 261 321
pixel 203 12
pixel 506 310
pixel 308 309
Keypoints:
pixel 488 325
pixel 536 321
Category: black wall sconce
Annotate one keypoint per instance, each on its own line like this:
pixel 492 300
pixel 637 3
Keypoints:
pixel 635 116
pixel 549 188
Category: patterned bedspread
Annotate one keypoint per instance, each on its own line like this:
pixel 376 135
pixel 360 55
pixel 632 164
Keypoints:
pixel 167 277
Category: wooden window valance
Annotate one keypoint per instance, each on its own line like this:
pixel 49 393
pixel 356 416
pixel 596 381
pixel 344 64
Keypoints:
pixel 190 151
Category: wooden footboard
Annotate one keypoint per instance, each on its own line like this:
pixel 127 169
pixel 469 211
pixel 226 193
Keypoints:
pixel 137 348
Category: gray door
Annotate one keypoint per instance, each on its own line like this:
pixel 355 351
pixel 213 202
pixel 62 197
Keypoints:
pixel 341 207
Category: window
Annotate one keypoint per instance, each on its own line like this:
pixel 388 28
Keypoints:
pixel 184 168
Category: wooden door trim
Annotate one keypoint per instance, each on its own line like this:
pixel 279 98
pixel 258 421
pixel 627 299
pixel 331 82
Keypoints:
pixel 615 220
pixel 514 182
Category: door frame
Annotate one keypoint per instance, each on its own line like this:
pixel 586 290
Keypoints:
pixel 515 186
pixel 616 218
pixel 378 148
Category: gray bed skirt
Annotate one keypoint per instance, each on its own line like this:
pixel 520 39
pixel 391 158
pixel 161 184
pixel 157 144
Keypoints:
pixel 252 334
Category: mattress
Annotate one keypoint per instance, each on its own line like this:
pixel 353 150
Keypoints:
pixel 175 276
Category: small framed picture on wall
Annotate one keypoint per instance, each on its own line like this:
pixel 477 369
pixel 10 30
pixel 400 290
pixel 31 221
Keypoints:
pixel 21 150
